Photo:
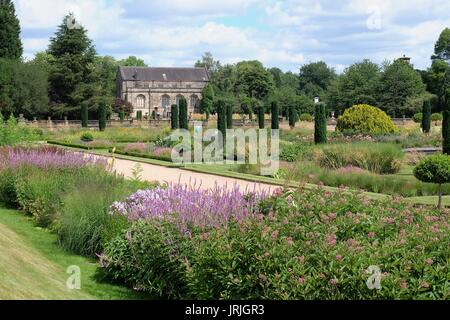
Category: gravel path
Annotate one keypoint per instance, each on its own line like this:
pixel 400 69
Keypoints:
pixel 174 175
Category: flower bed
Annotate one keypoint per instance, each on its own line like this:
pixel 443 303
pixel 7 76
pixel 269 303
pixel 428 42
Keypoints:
pixel 296 245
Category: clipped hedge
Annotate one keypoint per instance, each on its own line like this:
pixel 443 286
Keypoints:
pixel 366 119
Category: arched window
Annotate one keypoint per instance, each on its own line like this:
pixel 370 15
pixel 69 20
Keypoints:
pixel 179 97
pixel 165 101
pixel 195 103
pixel 140 102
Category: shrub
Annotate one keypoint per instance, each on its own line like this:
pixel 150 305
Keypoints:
pixel 293 151
pixel 174 117
pixel 261 117
pixel 377 158
pixel 417 118
pixel 135 148
pixel 367 120
pixel 292 114
pixel 13 133
pixel 229 116
pixel 87 137
pixel 220 106
pixel 436 117
pixel 84 115
pixel 275 116
pixel 446 126
pixel 434 169
pixel 426 119
pixel 306 117
pixel 183 114
pixel 102 116
pixel 320 125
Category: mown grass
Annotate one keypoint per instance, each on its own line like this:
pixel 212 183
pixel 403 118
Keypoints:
pixel 33 266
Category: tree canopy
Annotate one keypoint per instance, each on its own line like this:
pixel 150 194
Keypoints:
pixel 10 43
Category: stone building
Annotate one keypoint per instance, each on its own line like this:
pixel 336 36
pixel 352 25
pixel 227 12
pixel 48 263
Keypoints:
pixel 157 89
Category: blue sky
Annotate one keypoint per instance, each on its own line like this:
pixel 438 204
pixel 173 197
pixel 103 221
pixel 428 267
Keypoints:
pixel 284 34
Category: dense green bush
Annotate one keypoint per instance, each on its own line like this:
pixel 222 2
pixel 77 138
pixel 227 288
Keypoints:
pixel 261 117
pixel 377 158
pixel 230 108
pixel 293 116
pixel 13 133
pixel 436 117
pixel 318 245
pixel 417 118
pixel 293 151
pixel 306 117
pixel 221 108
pixel 367 120
pixel 102 109
pixel 87 137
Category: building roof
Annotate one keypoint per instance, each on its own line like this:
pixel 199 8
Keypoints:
pixel 163 74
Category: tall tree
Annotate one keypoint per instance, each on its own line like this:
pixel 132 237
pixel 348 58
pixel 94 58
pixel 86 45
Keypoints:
pixel 442 47
pixel 207 100
pixel 357 85
pixel 315 78
pixel 132 61
pixel 207 61
pixel 253 80
pixel 399 84
pixel 72 79
pixel 10 43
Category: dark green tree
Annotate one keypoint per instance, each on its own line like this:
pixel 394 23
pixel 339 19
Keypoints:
pixel 84 114
pixel 207 101
pixel 221 106
pixel 253 80
pixel 102 113
pixel 275 116
pixel 399 85
pixel 261 117
pixel 446 126
pixel 174 117
pixel 230 108
pixel 320 124
pixel 292 115
pixel 72 78
pixel 183 114
pixel 122 116
pixel 10 43
pixel 132 61
pixel 315 78
pixel 426 116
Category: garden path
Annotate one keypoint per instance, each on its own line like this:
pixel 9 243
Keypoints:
pixel 174 175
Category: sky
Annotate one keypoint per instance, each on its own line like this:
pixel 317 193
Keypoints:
pixel 284 34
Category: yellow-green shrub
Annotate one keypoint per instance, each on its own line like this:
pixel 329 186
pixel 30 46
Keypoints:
pixel 366 119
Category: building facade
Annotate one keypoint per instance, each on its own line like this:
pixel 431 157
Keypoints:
pixel 157 89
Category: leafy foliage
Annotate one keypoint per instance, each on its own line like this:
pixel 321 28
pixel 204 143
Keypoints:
pixel 320 125
pixel 11 45
pixel 367 120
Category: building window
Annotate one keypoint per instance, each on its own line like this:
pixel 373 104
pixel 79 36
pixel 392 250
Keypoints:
pixel 165 101
pixel 195 103
pixel 178 99
pixel 140 102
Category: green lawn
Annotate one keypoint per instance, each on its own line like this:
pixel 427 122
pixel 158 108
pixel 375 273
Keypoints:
pixel 33 266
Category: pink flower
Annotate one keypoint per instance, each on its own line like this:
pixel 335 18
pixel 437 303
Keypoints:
pixel 331 239
pixel 301 280
pixel 403 285
pixel 301 259
pixel 425 285
pixel 290 241
pixel 429 262
pixel 339 257
pixel 278 192
pixel 334 281
pixel 371 235
pixel 275 234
